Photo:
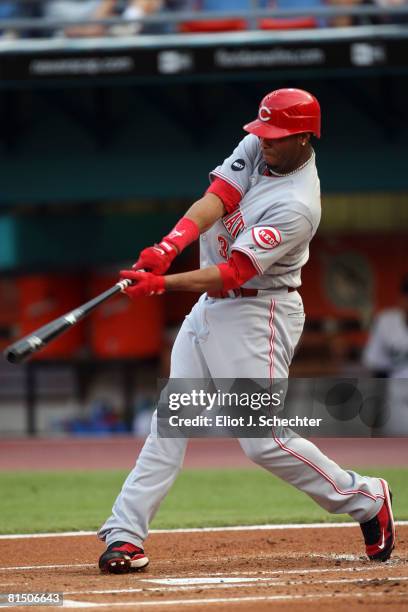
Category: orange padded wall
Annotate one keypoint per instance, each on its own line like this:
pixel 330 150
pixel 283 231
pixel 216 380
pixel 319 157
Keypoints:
pixel 43 298
pixel 120 328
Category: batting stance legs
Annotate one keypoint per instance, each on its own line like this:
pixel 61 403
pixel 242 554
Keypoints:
pixel 214 343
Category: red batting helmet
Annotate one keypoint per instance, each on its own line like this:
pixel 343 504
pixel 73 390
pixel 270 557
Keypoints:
pixel 284 112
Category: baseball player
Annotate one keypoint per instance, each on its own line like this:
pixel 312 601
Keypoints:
pixel 386 355
pixel 255 223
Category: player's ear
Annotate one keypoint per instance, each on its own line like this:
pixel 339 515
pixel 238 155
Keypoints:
pixel 304 138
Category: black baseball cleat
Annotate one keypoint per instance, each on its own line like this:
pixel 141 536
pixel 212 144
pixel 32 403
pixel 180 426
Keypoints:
pixel 121 558
pixel 379 533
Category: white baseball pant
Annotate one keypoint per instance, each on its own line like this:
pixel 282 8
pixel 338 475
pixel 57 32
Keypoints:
pixel 252 337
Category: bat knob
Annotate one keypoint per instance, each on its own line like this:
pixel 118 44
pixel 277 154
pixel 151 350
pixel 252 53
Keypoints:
pixel 11 356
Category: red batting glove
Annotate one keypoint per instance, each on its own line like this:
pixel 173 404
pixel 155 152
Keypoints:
pixel 157 258
pixel 144 283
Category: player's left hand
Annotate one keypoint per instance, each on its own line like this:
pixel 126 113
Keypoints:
pixel 144 283
pixel 157 258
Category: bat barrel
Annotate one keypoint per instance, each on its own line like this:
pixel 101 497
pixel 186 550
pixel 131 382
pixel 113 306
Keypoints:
pixel 35 341
pixel 17 352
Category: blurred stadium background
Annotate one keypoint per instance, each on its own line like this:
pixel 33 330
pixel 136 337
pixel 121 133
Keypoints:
pixel 112 115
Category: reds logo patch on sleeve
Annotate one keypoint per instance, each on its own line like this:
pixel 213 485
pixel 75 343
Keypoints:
pixel 267 237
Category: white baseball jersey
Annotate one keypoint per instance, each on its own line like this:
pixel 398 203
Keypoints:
pixel 275 221
pixel 387 347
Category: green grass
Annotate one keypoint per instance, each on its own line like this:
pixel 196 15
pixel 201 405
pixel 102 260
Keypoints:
pixel 57 501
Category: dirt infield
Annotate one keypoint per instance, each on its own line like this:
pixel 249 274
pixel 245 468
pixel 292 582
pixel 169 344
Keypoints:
pixel 286 569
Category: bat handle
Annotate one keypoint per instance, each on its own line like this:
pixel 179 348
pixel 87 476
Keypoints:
pixel 126 282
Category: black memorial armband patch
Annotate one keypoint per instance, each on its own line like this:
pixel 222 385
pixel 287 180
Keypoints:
pixel 237 165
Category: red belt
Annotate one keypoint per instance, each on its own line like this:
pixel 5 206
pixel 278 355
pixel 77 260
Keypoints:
pixel 242 292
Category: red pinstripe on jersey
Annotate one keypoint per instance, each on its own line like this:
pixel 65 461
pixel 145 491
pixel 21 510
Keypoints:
pixel 322 472
pixel 271 340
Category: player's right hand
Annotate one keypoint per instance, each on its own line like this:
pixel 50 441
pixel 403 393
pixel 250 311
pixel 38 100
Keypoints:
pixel 144 283
pixel 156 259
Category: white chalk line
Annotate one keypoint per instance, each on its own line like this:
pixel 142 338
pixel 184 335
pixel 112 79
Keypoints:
pixel 272 527
pixel 227 600
pixel 336 557
pixel 42 567
pixel 247 583
pixel 370 567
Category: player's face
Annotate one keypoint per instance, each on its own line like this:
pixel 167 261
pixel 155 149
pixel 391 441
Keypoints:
pixel 283 154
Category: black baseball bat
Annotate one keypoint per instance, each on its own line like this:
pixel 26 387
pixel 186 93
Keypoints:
pixel 38 339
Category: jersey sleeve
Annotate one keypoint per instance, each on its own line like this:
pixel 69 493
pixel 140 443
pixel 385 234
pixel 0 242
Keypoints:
pixel 275 239
pixel 239 166
pixel 375 355
pixel 229 196
pixel 236 271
